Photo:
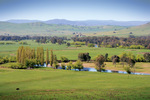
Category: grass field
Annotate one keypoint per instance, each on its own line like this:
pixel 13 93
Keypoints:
pixel 69 52
pixel 47 83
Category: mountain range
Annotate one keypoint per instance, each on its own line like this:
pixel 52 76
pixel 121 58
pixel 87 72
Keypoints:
pixel 83 23
pixel 61 27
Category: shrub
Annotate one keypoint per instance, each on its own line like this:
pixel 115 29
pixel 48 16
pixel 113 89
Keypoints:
pixel 63 65
pixel 90 45
pixel 147 57
pixel 78 65
pixel 12 59
pixel 78 45
pixel 17 66
pixel 30 63
pixel 2 43
pixel 23 43
pixel 69 65
pixel 64 59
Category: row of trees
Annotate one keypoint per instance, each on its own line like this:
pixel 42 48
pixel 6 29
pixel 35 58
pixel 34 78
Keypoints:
pixel 28 57
pixel 112 42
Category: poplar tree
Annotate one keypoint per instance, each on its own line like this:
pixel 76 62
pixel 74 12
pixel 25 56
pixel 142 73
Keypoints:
pixel 55 63
pixel 18 55
pixel 33 56
pixel 51 58
pixel 47 56
pixel 22 55
pixel 40 55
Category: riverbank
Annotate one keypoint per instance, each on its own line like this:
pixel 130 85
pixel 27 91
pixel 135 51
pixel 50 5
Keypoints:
pixel 140 67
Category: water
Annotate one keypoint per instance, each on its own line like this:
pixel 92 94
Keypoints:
pixel 109 71
pixel 106 71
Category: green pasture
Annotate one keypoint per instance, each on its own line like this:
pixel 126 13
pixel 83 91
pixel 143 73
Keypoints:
pixel 55 84
pixel 69 52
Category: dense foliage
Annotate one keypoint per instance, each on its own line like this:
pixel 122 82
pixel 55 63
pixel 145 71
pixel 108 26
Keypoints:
pixel 112 42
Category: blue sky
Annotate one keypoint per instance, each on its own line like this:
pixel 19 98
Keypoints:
pixel 121 10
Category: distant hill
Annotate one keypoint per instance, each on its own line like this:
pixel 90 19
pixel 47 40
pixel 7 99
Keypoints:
pixel 141 30
pixel 39 28
pixel 84 23
pixel 23 21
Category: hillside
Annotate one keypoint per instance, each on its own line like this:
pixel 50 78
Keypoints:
pixel 142 30
pixel 39 28
pixel 84 22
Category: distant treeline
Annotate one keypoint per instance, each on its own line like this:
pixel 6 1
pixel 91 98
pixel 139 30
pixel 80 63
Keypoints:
pixel 132 42
pixel 113 42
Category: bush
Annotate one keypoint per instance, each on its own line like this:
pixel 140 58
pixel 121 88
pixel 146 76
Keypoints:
pixel 90 45
pixel 12 59
pixel 78 45
pixel 30 63
pixel 17 66
pixel 78 65
pixel 63 65
pixel 64 59
pixel 147 57
pixel 2 43
pixel 10 43
pixel 69 65
pixel 23 43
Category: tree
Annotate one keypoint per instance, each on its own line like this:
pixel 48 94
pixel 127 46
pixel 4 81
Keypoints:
pixel 63 65
pixel 123 58
pixel 30 63
pixel 131 64
pixel 148 47
pixel 139 58
pixel 64 59
pixel 147 57
pixel 69 65
pixel 100 63
pixel 47 57
pixel 68 44
pixel 78 65
pixel 90 45
pixel 84 56
pixel 51 58
pixel 106 56
pixel 40 55
pixel 115 59
pixel 22 58
pixel 55 63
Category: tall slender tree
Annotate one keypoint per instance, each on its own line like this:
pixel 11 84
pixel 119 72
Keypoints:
pixel 51 58
pixel 47 56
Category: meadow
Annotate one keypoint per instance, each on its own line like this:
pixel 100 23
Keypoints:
pixel 70 52
pixel 55 84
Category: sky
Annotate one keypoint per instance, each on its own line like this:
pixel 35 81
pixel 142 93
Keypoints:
pixel 120 10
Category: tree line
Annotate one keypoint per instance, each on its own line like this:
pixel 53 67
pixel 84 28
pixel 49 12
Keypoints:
pixel 113 42
pixel 132 42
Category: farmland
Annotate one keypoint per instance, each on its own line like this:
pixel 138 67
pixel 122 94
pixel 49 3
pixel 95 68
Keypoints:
pixel 69 52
